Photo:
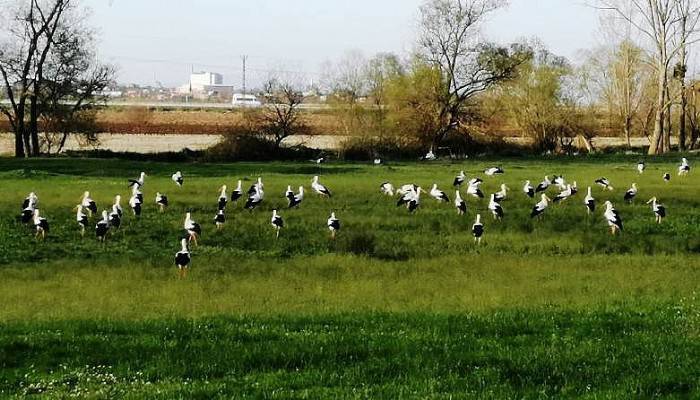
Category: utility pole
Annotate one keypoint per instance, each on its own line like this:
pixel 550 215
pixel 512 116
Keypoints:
pixel 244 58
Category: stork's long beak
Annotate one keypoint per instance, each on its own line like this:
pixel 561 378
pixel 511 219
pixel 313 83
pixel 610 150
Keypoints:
pixel 651 200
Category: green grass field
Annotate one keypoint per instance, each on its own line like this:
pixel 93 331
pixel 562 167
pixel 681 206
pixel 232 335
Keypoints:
pixel 398 306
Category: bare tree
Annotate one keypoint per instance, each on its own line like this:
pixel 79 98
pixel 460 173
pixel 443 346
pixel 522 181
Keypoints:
pixel 280 118
pixel 380 70
pixel 450 40
pixel 663 23
pixel 39 40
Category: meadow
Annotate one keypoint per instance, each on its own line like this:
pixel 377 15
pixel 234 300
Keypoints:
pixel 398 306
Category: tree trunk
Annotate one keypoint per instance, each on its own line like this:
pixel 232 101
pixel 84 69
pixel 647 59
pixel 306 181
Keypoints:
pixel 33 124
pixel 628 131
pixel 654 147
pixel 682 118
pixel 669 123
pixel 19 141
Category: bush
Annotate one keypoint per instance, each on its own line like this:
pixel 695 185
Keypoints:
pixel 251 146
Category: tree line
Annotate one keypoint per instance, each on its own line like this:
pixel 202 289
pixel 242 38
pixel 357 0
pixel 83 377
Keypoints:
pixel 453 85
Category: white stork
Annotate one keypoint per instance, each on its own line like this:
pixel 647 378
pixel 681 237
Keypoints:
pixel 333 225
pixel 589 201
pixel 438 194
pixel 407 188
pixel 631 193
pixel 474 190
pixel 136 192
pixel 574 188
pixel 138 182
pixel 377 161
pixel 28 207
pixel 495 208
pixel 183 259
pixel 612 217
pixel 560 182
pixel 501 194
pixel 604 183
pixel 540 207
pixel 178 178
pixel 459 179
pixel 289 192
pixel 254 199
pixel 667 177
pixel 41 225
pixel 564 194
pixel 529 190
pixel 256 187
pixel 219 219
pixel 387 189
pixel 193 228
pixel 89 204
pixel 115 217
pixel 641 166
pixel 102 227
pixel 460 204
pixel 237 193
pixel 117 206
pixel 135 205
pixel 684 168
pixel 297 198
pixel 81 218
pixel 544 185
pixel 478 229
pixel 223 198
pixel 319 188
pixel 658 209
pixel 430 156
pixel 414 203
pixel 161 201
pixel 277 222
pixel 494 171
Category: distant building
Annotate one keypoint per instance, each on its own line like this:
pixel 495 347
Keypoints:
pixel 205 85
pixel 245 101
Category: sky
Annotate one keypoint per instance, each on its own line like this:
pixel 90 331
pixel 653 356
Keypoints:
pixel 162 40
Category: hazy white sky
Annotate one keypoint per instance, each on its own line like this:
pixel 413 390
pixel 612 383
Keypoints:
pixel 153 40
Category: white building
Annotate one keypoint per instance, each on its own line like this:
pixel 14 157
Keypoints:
pixel 206 84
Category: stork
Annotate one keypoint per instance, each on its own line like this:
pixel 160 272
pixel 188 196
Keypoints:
pixel 297 198
pixel 81 218
pixel 658 209
pixel 178 178
pixel 115 218
pixel 289 193
pixel 30 201
pixel 540 207
pixel 138 182
pixel 631 193
pixel 237 193
pixel 161 201
pixel 223 198
pixel 544 185
pixel 438 194
pixel 102 227
pixel 407 188
pixel 589 201
pixel 604 183
pixel 574 188
pixel 414 203
pixel 254 199
pixel 459 179
pixel 256 187
pixel 641 166
pixel 193 228
pixel 387 189
pixel 41 225
pixel 135 205
pixel 333 225
pixel 560 182
pixel 136 192
pixel 474 190
pixel 183 259
pixel 667 177
pixel 407 197
pixel 219 220
pixel 495 208
pixel 529 190
pixel 501 194
pixel 478 229
pixel 564 194
pixel 494 171
pixel 277 222
pixel 377 161
pixel 613 218
pixel 460 204
pixel 684 168
pixel 117 206
pixel 89 204
pixel 319 188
